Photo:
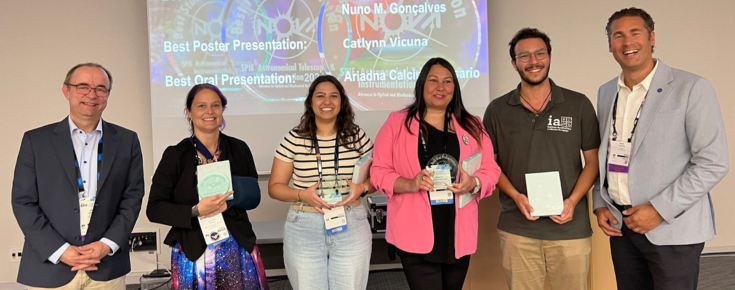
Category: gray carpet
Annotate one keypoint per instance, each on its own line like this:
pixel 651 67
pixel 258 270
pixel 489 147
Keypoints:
pixel 715 273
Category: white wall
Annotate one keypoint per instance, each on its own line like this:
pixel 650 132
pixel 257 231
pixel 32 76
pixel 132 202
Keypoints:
pixel 40 40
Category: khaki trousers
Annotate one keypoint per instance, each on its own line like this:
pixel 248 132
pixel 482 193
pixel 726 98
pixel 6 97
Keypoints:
pixel 82 282
pixel 529 262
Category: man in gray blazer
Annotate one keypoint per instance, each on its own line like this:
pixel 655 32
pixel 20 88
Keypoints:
pixel 663 149
pixel 77 192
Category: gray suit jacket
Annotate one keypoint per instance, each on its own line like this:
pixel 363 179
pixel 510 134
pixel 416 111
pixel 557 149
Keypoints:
pixel 46 205
pixel 678 154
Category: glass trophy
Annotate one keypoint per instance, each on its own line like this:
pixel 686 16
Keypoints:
pixel 332 188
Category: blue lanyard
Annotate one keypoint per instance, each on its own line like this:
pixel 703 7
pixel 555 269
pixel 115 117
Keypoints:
pixel 198 146
pixel 80 181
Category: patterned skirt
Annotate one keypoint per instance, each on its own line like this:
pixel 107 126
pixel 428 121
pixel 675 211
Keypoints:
pixel 223 266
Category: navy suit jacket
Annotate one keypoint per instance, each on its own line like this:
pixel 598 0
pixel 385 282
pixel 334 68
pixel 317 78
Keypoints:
pixel 46 206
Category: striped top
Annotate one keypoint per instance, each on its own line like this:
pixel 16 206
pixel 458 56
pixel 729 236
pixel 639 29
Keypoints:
pixel 298 150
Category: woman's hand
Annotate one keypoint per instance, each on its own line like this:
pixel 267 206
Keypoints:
pixel 422 181
pixel 213 205
pixel 466 183
pixel 356 190
pixel 310 197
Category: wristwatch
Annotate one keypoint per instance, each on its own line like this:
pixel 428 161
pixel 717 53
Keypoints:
pixel 195 211
pixel 477 185
pixel 364 192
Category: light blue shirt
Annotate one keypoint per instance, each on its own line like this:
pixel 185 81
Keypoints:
pixel 85 148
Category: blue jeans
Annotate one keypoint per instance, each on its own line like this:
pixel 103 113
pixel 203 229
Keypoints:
pixel 316 261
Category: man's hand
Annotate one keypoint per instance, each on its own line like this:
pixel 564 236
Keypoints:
pixel 642 218
pixel 566 214
pixel 604 219
pixel 525 207
pixel 90 254
pixel 71 257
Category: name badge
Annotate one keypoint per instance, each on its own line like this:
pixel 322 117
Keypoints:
pixel 619 157
pixel 213 228
pixel 442 177
pixel 335 221
pixel 86 206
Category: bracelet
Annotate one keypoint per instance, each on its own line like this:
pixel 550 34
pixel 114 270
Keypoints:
pixel 195 211
pixel 298 195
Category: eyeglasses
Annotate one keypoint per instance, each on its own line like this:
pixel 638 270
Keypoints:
pixel 525 56
pixel 85 89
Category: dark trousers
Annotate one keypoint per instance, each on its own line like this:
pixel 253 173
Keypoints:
pixel 641 265
pixel 424 275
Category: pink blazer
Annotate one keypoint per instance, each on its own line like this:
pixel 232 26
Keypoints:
pixel 409 214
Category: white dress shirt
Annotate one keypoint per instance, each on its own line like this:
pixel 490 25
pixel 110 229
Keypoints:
pixel 85 148
pixel 629 101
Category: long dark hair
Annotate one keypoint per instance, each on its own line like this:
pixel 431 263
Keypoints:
pixel 346 127
pixel 455 107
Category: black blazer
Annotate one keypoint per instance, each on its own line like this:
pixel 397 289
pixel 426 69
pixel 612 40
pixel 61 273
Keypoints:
pixel 46 205
pixel 174 193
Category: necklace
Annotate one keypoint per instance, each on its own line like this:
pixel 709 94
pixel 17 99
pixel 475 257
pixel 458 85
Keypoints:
pixel 536 111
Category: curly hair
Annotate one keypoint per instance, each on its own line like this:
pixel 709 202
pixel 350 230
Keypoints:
pixel 345 125
pixel 528 33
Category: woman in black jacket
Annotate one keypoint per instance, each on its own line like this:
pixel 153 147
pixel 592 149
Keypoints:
pixel 227 263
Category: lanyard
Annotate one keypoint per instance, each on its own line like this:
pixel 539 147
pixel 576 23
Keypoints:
pixel 635 121
pixel 446 137
pixel 203 149
pixel 319 157
pixel 80 182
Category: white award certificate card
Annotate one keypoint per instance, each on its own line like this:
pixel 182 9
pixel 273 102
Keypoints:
pixel 362 168
pixel 214 178
pixel 470 165
pixel 213 228
pixel 544 193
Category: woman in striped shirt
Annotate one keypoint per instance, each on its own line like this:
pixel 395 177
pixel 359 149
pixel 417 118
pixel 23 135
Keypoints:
pixel 317 256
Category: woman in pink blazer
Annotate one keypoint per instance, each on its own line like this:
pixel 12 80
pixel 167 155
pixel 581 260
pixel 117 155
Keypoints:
pixel 433 235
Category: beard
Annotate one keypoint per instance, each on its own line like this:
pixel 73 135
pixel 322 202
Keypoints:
pixel 528 80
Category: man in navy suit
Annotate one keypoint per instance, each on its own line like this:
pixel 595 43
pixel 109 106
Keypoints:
pixel 663 149
pixel 77 192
